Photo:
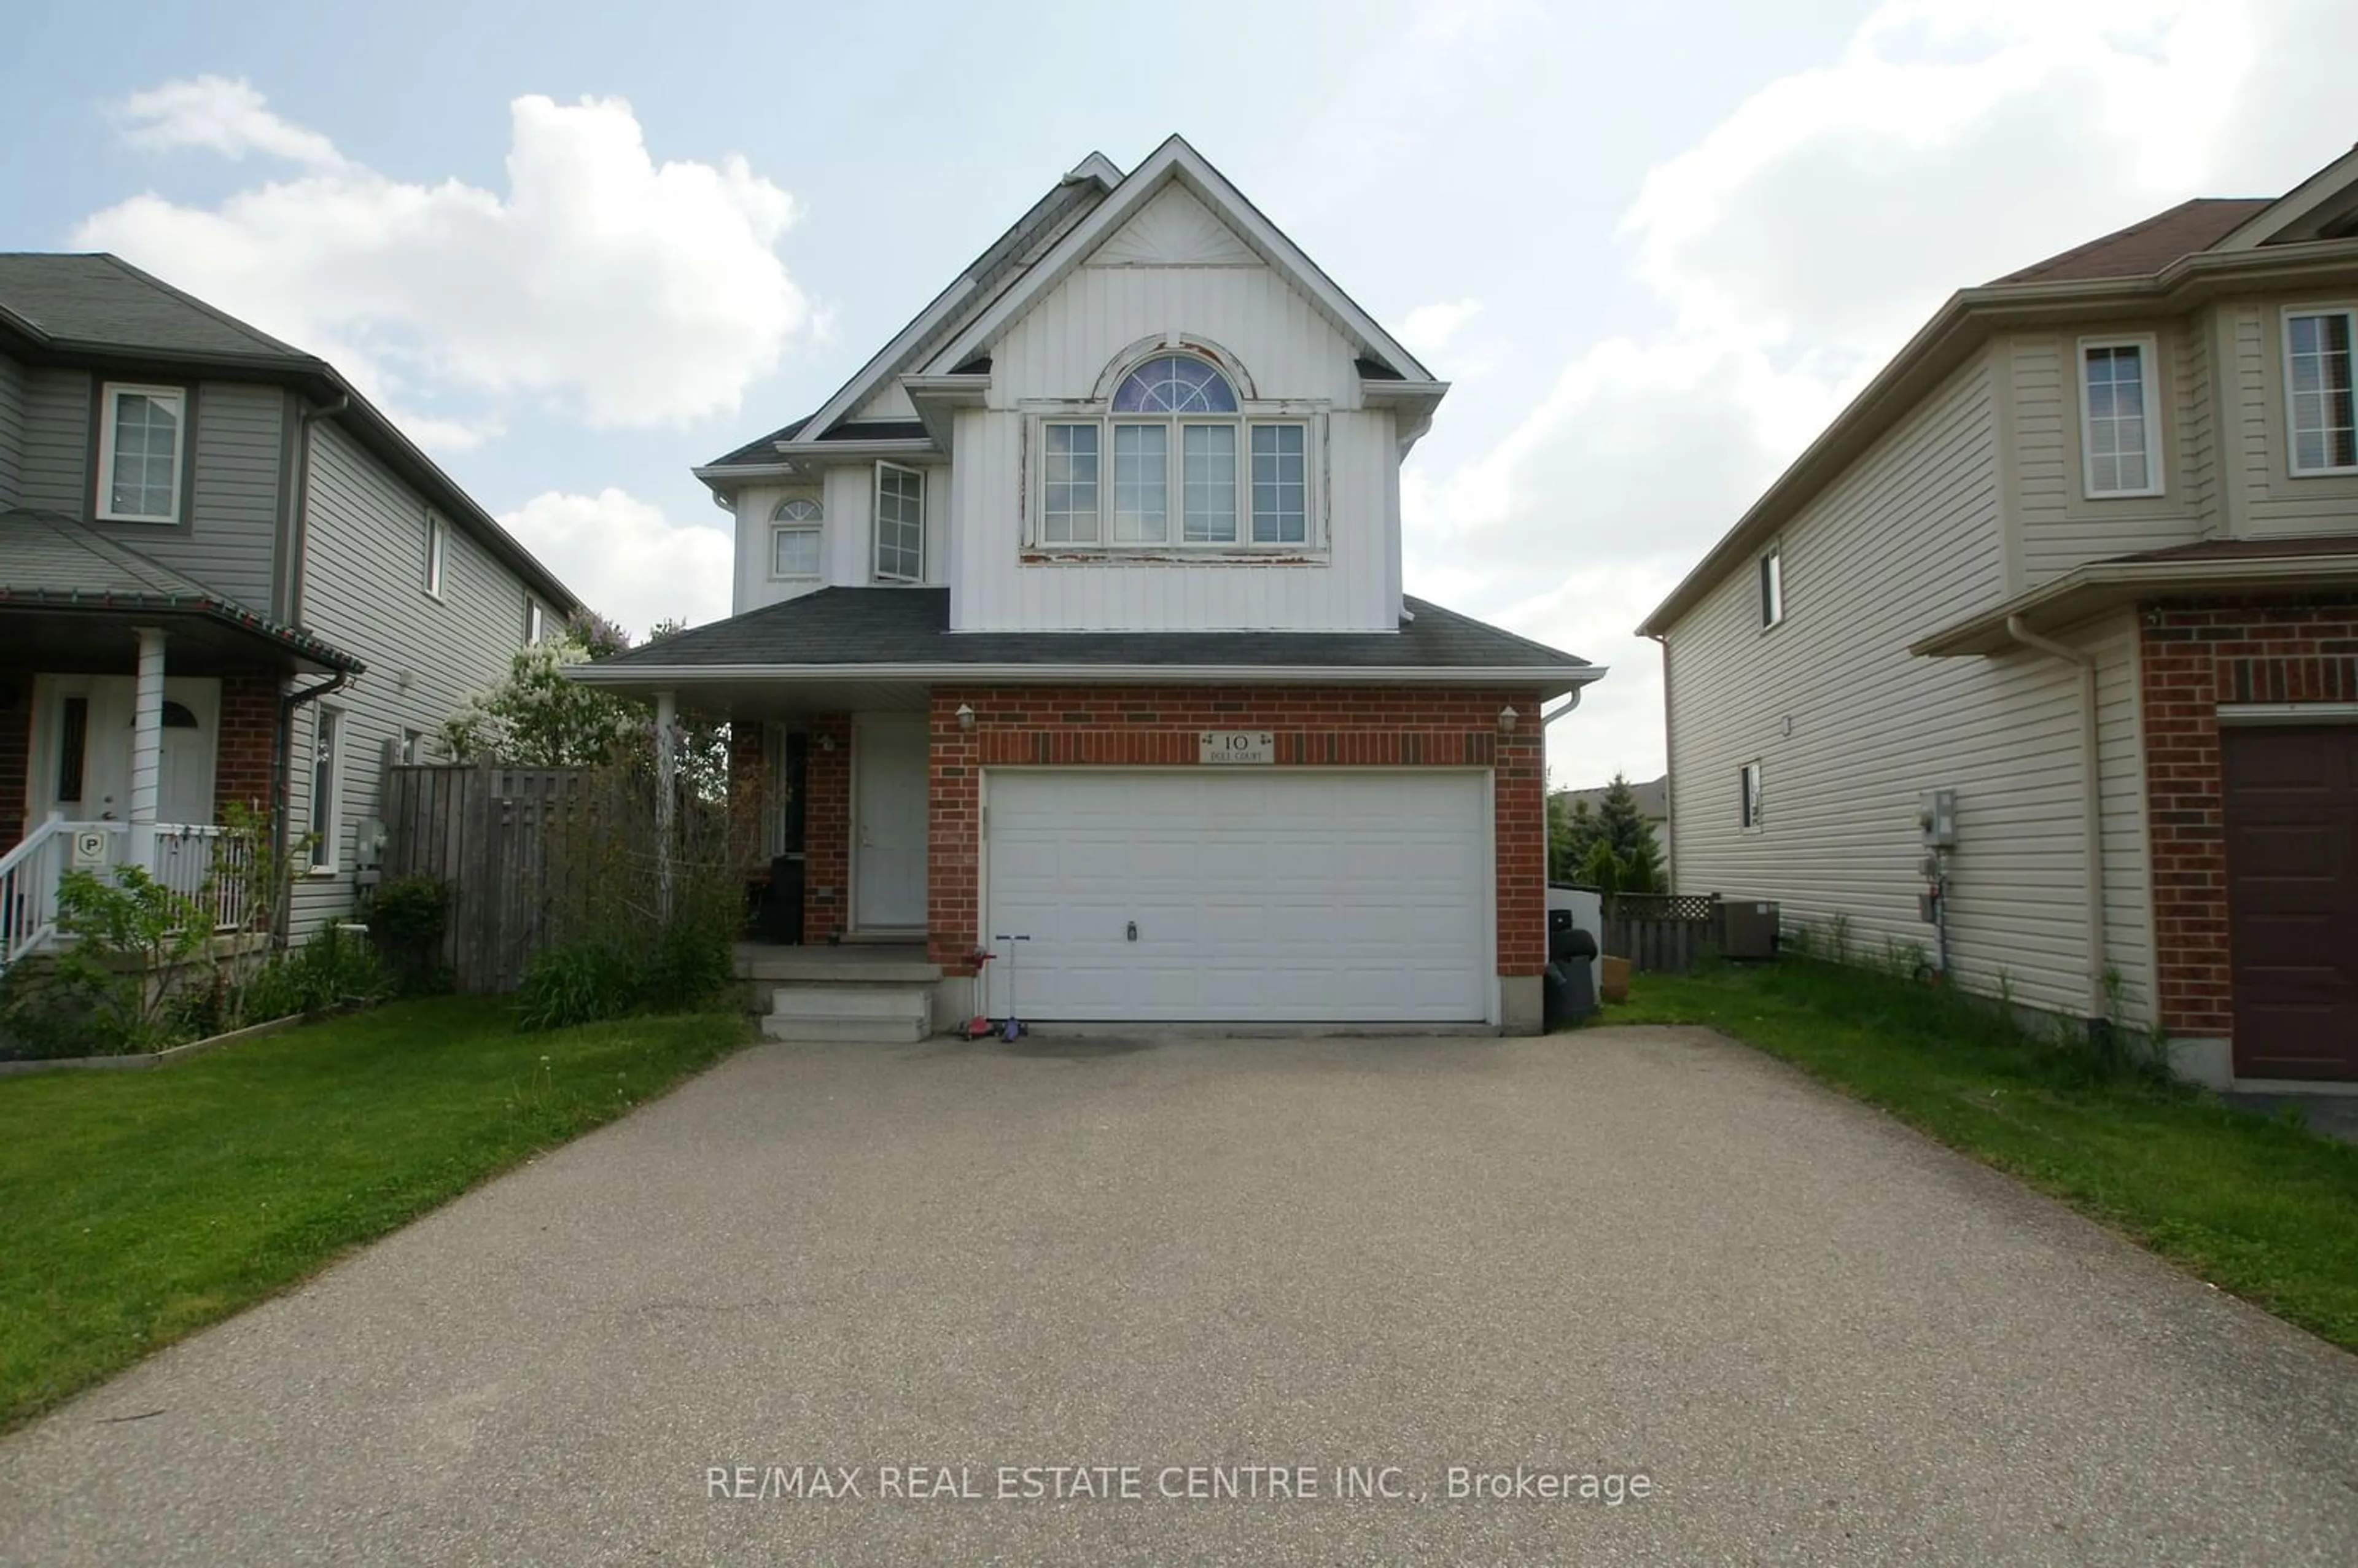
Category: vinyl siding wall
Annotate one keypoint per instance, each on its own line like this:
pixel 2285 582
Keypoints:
pixel 2266 499
pixel 362 588
pixel 2059 528
pixel 1850 729
pixel 229 501
pixel 12 429
pixel 847 497
pixel 1060 349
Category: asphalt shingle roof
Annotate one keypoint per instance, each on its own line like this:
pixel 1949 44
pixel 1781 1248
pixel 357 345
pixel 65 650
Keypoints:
pixel 2145 248
pixel 105 302
pixel 852 626
pixel 50 561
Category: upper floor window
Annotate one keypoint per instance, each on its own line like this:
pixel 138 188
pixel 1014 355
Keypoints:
pixel 2120 417
pixel 1747 785
pixel 139 453
pixel 900 524
pixel 533 623
pixel 1772 586
pixel 794 530
pixel 437 546
pixel 2319 403
pixel 1174 460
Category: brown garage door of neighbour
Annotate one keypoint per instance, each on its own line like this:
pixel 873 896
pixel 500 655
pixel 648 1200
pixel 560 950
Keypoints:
pixel 2292 899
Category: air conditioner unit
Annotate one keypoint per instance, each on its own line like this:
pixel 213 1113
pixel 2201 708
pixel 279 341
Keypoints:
pixel 1748 929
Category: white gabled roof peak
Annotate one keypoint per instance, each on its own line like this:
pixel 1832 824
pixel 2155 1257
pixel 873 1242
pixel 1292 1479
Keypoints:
pixel 1176 160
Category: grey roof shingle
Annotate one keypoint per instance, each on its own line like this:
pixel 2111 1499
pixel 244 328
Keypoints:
pixel 857 626
pixel 50 561
pixel 102 301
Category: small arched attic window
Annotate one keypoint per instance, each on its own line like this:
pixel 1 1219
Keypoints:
pixel 796 529
pixel 1174 461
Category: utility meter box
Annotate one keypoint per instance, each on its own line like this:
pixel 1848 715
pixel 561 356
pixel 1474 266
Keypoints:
pixel 1936 815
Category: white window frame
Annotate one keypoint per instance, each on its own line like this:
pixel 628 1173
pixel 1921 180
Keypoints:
pixel 2149 379
pixel 535 621
pixel 876 523
pixel 438 553
pixel 1750 798
pixel 1175 478
pixel 178 396
pixel 327 849
pixel 1770 574
pixel 2291 435
pixel 814 525
pixel 413 748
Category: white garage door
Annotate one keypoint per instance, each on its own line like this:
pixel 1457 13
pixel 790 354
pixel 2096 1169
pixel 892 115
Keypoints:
pixel 1252 893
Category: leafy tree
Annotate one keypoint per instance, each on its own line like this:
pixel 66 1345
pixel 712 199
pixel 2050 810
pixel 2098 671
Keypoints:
pixel 539 718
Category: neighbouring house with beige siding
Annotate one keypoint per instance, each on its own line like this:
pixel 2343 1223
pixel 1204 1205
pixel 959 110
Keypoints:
pixel 225 579
pixel 2081 563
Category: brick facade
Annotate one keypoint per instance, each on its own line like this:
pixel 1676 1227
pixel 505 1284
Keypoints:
pixel 1157 726
pixel 2193 655
pixel 244 752
pixel 16 756
pixel 827 828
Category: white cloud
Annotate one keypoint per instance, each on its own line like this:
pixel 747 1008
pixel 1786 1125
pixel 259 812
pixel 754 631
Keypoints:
pixel 630 292
pixel 1793 247
pixel 625 559
pixel 1428 328
pixel 219 115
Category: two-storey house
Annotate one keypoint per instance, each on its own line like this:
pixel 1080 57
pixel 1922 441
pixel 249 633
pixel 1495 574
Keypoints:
pixel 1076 615
pixel 224 577
pixel 2076 579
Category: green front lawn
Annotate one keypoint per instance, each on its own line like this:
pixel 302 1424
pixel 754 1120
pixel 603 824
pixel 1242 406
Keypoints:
pixel 137 1207
pixel 2248 1203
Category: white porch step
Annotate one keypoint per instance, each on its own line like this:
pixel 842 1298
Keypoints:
pixel 866 1012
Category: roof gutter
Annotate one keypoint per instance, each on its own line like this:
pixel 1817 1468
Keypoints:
pixel 2091 813
pixel 650 677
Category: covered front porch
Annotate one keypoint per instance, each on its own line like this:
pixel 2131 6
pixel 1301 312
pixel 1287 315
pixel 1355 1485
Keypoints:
pixel 141 717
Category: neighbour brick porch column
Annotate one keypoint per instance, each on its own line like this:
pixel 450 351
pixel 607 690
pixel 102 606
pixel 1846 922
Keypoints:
pixel 245 750
pixel 15 755
pixel 826 829
pixel 2193 655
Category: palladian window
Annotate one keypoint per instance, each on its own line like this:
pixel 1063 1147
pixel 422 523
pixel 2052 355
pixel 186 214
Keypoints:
pixel 1174 461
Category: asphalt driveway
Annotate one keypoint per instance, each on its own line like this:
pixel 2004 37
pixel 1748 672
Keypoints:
pixel 1176 1267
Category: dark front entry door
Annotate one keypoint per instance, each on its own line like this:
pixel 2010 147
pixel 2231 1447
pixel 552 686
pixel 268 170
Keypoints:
pixel 2292 898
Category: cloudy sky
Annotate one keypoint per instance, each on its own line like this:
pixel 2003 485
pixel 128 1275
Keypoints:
pixel 576 248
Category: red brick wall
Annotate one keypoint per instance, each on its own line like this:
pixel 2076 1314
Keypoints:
pixel 247 744
pixel 15 755
pixel 827 828
pixel 1314 726
pixel 2195 654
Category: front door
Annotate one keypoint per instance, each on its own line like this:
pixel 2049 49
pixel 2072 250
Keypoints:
pixel 888 854
pixel 85 757
pixel 2291 817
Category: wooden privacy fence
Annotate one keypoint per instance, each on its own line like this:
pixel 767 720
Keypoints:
pixel 493 835
pixel 1662 932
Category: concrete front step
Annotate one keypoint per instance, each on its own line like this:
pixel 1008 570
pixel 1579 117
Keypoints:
pixel 851 1029
pixel 866 1010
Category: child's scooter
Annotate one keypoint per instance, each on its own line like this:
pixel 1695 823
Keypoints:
pixel 1014 1027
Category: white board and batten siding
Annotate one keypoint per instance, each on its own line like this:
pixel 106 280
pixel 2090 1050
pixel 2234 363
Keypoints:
pixel 1061 348
pixel 1850 730
pixel 364 588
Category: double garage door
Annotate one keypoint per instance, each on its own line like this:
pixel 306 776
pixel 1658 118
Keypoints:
pixel 2292 899
pixel 1240 894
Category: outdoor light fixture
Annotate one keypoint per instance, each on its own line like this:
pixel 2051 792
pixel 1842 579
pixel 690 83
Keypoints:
pixel 966 716
pixel 827 743
pixel 1506 720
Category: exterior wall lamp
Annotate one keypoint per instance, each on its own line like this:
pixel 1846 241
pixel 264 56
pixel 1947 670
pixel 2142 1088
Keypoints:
pixel 1508 718
pixel 966 716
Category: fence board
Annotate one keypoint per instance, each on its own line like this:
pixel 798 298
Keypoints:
pixel 1662 932
pixel 484 831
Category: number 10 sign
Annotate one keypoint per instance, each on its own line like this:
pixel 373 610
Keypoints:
pixel 1233 746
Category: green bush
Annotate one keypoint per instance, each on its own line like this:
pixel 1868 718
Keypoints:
pixel 581 982
pixel 329 973
pixel 406 918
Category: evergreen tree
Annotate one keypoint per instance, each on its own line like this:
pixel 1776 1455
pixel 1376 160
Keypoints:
pixel 1622 825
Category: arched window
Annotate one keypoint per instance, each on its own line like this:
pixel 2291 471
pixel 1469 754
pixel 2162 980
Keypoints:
pixel 1174 461
pixel 794 530
pixel 177 715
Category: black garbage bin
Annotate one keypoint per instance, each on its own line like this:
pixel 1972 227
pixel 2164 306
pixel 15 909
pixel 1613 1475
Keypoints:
pixel 1568 994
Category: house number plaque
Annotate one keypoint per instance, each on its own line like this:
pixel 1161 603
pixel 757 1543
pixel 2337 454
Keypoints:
pixel 1234 746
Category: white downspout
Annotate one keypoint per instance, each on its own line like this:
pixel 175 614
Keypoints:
pixel 2091 802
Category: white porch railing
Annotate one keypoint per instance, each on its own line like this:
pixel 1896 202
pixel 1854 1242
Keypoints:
pixel 208 865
